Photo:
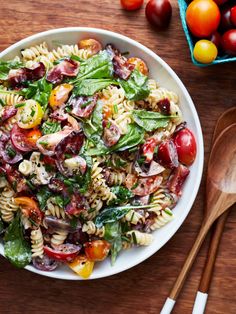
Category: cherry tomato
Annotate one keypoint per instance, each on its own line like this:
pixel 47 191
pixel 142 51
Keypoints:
pixel 90 44
pixel 97 250
pixel 30 115
pixel 158 13
pixel 59 95
pixel 225 22
pixel 233 15
pixel 229 42
pixel 64 252
pixel 205 51
pixel 131 5
pixel 139 64
pixel 82 266
pixel 220 2
pixel 216 39
pixel 203 17
pixel 107 112
pixel 149 148
pixel 143 186
pixel 33 136
pixel 21 140
pixel 177 179
pixel 167 154
pixel 29 209
pixel 186 146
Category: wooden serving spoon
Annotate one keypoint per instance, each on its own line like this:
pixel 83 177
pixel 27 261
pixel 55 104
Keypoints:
pixel 225 120
pixel 221 194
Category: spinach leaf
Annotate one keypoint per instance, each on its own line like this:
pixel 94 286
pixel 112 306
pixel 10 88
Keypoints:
pixel 16 249
pixel 149 120
pixel 98 66
pixel 136 87
pixel 43 195
pixel 39 91
pixel 1 226
pixel 113 236
pixel 49 127
pixel 89 87
pixel 122 194
pixel 93 127
pixel 6 66
pixel 132 138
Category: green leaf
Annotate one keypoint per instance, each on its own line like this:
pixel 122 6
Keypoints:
pixel 93 127
pixel 16 249
pixel 122 194
pixel 136 87
pixel 133 137
pixel 89 87
pixel 113 236
pixel 96 67
pixel 1 226
pixel 43 195
pixel 149 120
pixel 49 127
pixel 6 66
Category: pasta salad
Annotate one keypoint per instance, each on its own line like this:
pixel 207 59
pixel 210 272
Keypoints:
pixel 93 155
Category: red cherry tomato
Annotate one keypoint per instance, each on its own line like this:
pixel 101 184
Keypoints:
pixel 149 148
pixel 228 42
pixel 158 13
pixel 186 146
pixel 233 15
pixel 131 5
pixel 225 21
pixel 216 39
pixel 29 209
pixel 167 154
pixel 97 250
pixel 203 17
pixel 220 2
pixel 24 140
pixel 64 252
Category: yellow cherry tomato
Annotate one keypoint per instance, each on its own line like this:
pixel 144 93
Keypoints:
pixel 29 115
pixel 205 51
pixel 139 65
pixel 82 266
pixel 59 95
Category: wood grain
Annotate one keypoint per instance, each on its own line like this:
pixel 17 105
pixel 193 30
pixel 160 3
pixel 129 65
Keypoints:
pixel 144 288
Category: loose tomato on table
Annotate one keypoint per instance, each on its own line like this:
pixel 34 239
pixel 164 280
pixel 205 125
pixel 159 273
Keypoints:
pixel 158 13
pixel 82 266
pixel 97 250
pixel 205 51
pixel 64 252
pixel 131 5
pixel 203 17
pixel 30 209
pixel 59 95
pixel 29 115
pixel 139 65
pixel 185 143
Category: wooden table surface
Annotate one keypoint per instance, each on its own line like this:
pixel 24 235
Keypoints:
pixel 143 288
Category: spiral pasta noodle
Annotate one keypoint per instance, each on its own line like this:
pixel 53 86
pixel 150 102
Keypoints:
pixel 3 182
pixel 134 217
pixel 162 219
pixel 140 238
pixel 58 238
pixel 90 228
pixel 26 167
pixel 7 204
pixel 115 177
pixel 35 51
pixel 10 98
pixel 8 125
pixel 37 243
pixel 161 199
pixel 52 209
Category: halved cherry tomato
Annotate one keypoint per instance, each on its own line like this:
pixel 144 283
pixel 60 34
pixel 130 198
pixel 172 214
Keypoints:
pixel 131 5
pixel 64 252
pixel 33 136
pixel 139 65
pixel 149 148
pixel 82 266
pixel 24 140
pixel 29 209
pixel 203 17
pixel 167 154
pixel 107 112
pixel 186 146
pixel 90 44
pixel 30 115
pixel 97 250
pixel 59 95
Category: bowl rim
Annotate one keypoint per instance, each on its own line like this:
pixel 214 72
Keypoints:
pixel 199 135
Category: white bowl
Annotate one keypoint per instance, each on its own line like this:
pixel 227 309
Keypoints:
pixel 166 77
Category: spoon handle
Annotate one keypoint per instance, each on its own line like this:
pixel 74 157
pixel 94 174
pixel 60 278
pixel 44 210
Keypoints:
pixel 187 266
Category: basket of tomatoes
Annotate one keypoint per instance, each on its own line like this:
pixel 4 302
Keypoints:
pixel 210 29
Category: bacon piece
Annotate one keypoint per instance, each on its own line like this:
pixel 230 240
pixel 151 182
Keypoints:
pixel 111 134
pixel 66 67
pixel 14 178
pixel 83 106
pixel 77 205
pixel 164 106
pixel 143 186
pixel 60 114
pixel 7 151
pixel 177 179
pixel 17 77
pixel 8 112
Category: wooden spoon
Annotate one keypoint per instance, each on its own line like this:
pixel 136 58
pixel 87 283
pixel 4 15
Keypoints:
pixel 221 194
pixel 225 120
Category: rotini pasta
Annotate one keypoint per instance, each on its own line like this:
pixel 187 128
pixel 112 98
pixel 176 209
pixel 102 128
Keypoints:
pixel 162 219
pixel 10 98
pixel 134 217
pixel 7 204
pixel 140 238
pixel 52 209
pixel 37 243
pixel 35 51
pixel 90 228
pixel 58 238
